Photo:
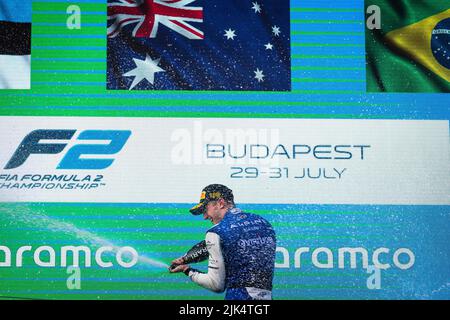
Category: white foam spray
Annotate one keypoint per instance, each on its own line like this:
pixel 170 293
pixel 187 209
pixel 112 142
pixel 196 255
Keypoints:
pixel 35 218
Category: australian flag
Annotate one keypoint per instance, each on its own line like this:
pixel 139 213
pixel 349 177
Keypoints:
pixel 199 45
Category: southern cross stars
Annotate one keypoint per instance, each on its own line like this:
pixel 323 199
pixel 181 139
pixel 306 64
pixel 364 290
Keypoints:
pixel 259 75
pixel 256 7
pixel 276 31
pixel 269 46
pixel 230 34
pixel 145 69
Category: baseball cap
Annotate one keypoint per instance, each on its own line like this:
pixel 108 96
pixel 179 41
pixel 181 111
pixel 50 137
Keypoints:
pixel 211 193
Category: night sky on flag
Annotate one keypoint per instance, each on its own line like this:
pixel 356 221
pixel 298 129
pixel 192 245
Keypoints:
pixel 223 45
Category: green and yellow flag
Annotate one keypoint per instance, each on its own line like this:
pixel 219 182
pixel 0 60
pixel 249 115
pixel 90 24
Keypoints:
pixel 411 51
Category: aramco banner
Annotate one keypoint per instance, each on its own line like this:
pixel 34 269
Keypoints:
pixel 97 208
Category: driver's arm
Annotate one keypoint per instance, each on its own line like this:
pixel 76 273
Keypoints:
pixel 214 280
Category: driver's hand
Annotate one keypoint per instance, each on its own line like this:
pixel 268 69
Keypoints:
pixel 180 268
pixel 178 261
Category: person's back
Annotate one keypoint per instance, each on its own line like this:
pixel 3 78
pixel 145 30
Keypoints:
pixel 241 248
pixel 248 245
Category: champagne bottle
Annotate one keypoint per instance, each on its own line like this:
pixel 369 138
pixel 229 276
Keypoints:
pixel 197 253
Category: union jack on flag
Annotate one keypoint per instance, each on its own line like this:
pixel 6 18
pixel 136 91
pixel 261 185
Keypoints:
pixel 147 15
pixel 199 45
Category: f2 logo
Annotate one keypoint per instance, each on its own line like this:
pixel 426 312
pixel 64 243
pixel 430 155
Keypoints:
pixel 72 160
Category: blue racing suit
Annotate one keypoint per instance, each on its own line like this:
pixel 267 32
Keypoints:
pixel 241 257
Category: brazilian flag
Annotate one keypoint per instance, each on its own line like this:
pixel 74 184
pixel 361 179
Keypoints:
pixel 411 51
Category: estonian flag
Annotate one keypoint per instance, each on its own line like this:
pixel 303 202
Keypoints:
pixel 15 44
